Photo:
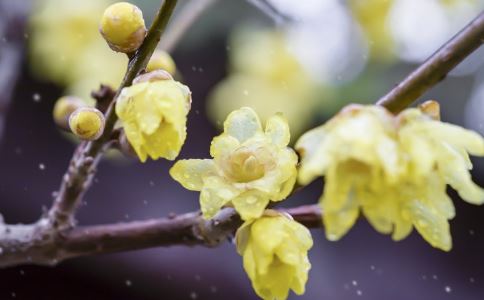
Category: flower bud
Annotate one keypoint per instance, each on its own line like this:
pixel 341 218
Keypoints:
pixel 87 123
pixel 123 27
pixel 63 109
pixel 161 60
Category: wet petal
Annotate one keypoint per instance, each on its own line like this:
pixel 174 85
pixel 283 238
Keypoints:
pixel 242 124
pixel 190 173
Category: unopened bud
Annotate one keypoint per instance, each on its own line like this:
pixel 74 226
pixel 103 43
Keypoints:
pixel 161 60
pixel 87 123
pixel 63 109
pixel 123 27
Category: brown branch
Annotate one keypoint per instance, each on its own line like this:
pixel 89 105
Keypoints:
pixel 435 68
pixel 189 229
pixel 82 167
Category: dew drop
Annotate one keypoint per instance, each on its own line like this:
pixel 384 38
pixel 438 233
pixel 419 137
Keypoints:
pixel 193 295
pixel 359 292
pixel 41 166
pixel 354 283
pixel 448 289
pixel 128 283
pixel 36 97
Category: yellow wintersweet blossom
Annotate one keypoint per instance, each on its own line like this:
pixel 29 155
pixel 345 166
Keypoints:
pixel 268 77
pixel 274 250
pixel 67 48
pixel 250 166
pixel 153 114
pixel 394 169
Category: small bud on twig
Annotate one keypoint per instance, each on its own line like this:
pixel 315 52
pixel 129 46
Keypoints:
pixel 87 123
pixel 123 27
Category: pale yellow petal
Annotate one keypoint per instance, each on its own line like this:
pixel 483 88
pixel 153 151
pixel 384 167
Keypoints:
pixel 251 204
pixel 433 226
pixel 277 129
pixel 190 173
pixel 242 124
pixel 214 195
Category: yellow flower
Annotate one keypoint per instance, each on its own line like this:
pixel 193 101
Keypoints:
pixel 274 250
pixel 123 27
pixel 393 168
pixel 250 167
pixel 154 115
pixel 266 76
pixel 66 47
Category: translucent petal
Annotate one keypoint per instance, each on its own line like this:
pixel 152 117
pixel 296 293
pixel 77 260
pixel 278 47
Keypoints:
pixel 251 204
pixel 146 111
pixel 249 262
pixel 277 129
pixel 337 224
pixel 190 173
pixel 268 233
pixel 215 194
pixel 454 170
pixel 454 135
pixel 242 124
pixel 313 160
pixel 432 225
pixel 223 145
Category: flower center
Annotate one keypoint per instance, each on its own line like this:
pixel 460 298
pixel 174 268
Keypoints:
pixel 246 164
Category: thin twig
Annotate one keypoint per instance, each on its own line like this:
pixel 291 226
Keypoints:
pixel 436 67
pixel 189 229
pixel 82 167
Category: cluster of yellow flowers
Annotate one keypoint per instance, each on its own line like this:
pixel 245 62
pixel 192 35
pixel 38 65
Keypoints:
pixel 394 168
pixel 252 166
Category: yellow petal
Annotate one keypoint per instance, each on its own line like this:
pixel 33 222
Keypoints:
pixel 433 226
pixel 337 224
pixel 455 136
pixel 454 170
pixel 215 194
pixel 242 124
pixel 223 145
pixel 313 161
pixel 190 173
pixel 277 129
pixel 251 204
